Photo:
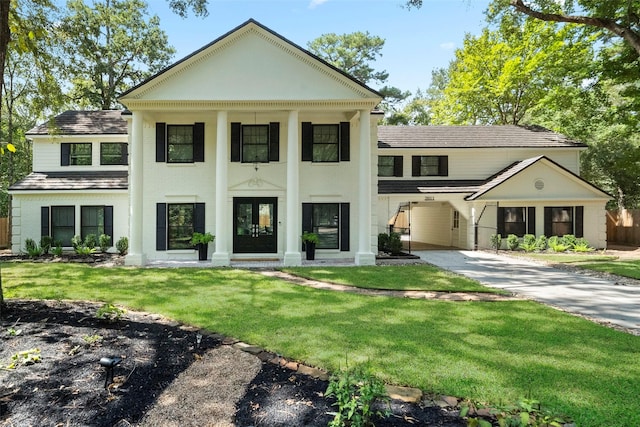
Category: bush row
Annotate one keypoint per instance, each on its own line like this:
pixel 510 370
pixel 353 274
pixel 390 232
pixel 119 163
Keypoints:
pixel 531 243
pixel 88 246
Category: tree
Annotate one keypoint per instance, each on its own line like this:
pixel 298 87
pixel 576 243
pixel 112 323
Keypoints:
pixel 620 18
pixel 499 76
pixel 111 46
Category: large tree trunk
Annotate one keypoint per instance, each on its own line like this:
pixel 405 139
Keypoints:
pixel 5 37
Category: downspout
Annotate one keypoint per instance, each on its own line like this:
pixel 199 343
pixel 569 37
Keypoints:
pixel 476 226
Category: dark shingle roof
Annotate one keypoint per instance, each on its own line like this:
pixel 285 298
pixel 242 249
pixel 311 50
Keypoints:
pixel 416 186
pixel 503 176
pixel 104 180
pixel 507 136
pixel 103 122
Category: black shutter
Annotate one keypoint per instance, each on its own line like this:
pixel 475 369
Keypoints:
pixel 415 165
pixel 161 142
pixel 344 226
pixel 65 153
pixel 547 222
pixel 274 142
pixel 579 221
pixel 397 165
pixel 198 142
pixel 345 141
pixel 44 221
pixel 500 225
pixel 443 166
pixel 161 226
pixel 307 142
pixel 307 219
pixel 235 141
pixel 531 220
pixel 108 223
pixel 125 155
pixel 198 218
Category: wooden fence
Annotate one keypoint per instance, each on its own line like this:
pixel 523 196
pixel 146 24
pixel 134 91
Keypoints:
pixel 623 227
pixel 5 239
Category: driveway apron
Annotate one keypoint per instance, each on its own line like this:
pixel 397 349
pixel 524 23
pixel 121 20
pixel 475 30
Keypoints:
pixel 594 297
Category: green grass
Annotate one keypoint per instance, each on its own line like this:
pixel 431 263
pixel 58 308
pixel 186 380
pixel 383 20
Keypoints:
pixel 605 263
pixel 566 258
pixel 402 278
pixel 495 352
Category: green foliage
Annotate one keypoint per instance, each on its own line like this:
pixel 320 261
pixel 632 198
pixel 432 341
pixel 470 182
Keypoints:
pixel 496 241
pixel 92 340
pixel 582 245
pixel 202 238
pixel 542 243
pixel 395 243
pixel 90 241
pixel 556 244
pixel 528 412
pixel 122 245
pixel 383 242
pixel 32 248
pixel 85 250
pixel 13 332
pixel 569 240
pixel 109 312
pixel 308 237
pixel 76 242
pixel 45 244
pixel 356 390
pixel 104 241
pixel 57 249
pixel 528 243
pixel 513 242
pixel 24 358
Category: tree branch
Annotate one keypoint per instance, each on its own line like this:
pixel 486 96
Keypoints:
pixel 627 33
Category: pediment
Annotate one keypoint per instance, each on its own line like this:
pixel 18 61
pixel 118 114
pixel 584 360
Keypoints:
pixel 256 184
pixel 250 63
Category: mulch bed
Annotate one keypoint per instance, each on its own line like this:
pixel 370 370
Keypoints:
pixel 67 386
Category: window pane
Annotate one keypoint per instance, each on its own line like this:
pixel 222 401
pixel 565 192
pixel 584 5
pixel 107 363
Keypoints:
pixel 180 143
pixel 180 226
pixel 326 223
pixel 255 143
pixel 113 153
pixel 429 166
pixel 514 221
pixel 385 165
pixel 80 154
pixel 561 221
pixel 325 143
pixel 62 224
pixel 325 153
pixel 91 220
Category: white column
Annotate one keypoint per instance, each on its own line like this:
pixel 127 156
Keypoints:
pixel 292 254
pixel 135 255
pixel 223 228
pixel 364 256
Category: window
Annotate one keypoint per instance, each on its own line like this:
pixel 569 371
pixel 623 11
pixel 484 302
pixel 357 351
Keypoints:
pixel 514 221
pixel 430 166
pixel 389 166
pixel 179 143
pixel 255 144
pixel 561 221
pixel 324 143
pixel 113 153
pixel 456 219
pixel 77 154
pixel 176 223
pixel 330 221
pixel 63 224
pixel 180 226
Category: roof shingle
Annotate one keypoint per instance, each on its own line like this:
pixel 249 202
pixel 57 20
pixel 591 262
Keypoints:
pixel 72 122
pixel 52 181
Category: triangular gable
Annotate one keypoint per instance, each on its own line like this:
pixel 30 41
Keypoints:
pixel 253 63
pixel 538 178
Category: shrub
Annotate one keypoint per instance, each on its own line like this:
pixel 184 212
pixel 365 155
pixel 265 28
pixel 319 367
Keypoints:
pixel 496 241
pixel 91 241
pixel 513 242
pixel 582 245
pixel 85 250
pixel 356 390
pixel 528 243
pixel 569 240
pixel 110 312
pixel 383 242
pixel 104 241
pixel 57 249
pixel 556 244
pixel 32 249
pixel 542 243
pixel 122 245
pixel 76 242
pixel 45 244
pixel 395 243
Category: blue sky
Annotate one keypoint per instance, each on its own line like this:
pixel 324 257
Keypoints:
pixel 416 40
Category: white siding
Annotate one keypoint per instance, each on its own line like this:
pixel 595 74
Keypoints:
pixel 47 156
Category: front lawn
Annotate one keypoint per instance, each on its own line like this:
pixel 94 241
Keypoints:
pixel 486 351
pixel 402 278
pixel 606 263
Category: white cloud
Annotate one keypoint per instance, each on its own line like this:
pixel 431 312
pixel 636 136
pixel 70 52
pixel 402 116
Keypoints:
pixel 448 46
pixel 315 3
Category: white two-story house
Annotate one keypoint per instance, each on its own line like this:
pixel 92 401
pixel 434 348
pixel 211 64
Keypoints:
pixel 255 140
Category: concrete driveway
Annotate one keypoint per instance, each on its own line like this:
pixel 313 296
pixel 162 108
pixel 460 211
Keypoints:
pixel 588 295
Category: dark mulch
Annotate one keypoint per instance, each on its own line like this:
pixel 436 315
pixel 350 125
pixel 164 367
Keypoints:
pixel 67 387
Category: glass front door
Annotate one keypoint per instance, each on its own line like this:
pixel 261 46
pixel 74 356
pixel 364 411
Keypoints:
pixel 255 225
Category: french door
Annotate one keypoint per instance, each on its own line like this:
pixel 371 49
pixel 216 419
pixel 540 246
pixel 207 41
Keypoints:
pixel 255 225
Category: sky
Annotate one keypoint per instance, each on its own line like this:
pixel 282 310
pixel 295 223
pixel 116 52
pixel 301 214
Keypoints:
pixel 416 40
